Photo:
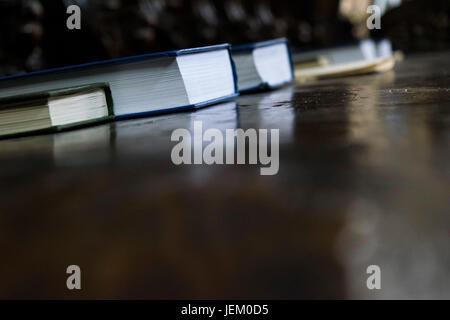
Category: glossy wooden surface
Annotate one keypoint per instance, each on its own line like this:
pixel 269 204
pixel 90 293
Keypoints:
pixel 364 179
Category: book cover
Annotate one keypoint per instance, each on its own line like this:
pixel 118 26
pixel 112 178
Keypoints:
pixel 120 73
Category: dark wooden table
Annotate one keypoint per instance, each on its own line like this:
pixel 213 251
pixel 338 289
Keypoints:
pixel 364 180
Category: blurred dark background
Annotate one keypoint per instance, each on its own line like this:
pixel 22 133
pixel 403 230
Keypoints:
pixel 34 35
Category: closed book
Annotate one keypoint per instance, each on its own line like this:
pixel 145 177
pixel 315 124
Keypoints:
pixel 362 50
pixel 263 65
pixel 367 56
pixel 145 84
pixel 55 110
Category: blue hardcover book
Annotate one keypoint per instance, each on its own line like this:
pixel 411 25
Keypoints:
pixel 144 84
pixel 263 65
